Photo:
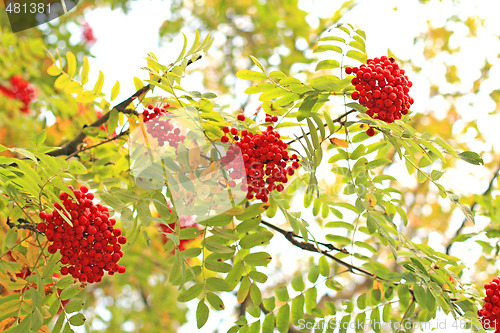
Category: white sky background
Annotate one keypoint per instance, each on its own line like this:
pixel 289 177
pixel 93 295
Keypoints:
pixel 124 40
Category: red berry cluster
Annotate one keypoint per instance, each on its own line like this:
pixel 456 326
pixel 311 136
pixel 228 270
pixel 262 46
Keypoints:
pixel 21 90
pixel 88 33
pixel 489 315
pixel 265 160
pixel 162 130
pixel 89 247
pixel 383 88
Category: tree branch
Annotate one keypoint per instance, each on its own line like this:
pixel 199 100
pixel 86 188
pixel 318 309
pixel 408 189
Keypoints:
pixel 310 247
pixel 290 236
pixel 486 192
pixel 21 224
pixel 99 144
pixel 72 146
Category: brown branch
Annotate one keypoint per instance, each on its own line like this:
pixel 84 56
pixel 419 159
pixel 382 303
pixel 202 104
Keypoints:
pixel 312 248
pixel 486 192
pixel 72 146
pixel 22 224
pixel 336 120
pixel 291 235
pixel 99 144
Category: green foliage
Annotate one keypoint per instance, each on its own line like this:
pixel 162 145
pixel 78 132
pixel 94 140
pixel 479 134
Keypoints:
pixel 343 207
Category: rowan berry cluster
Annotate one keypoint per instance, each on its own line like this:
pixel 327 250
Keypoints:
pixel 161 129
pixel 383 88
pixel 489 315
pixel 88 33
pixel 267 163
pixel 91 245
pixel 21 90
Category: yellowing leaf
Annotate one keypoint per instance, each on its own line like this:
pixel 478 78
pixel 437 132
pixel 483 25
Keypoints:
pixel 3 291
pixel 73 87
pixel 53 70
pixel 194 156
pixel 372 201
pixel 61 82
pixel 133 124
pixel 7 323
pixel 20 258
pixel 71 63
pixel 339 142
pixel 85 71
pixel 100 82
pixel 138 83
pixel 378 285
pixel 210 172
pixel 203 192
pixel 85 97
pixel 115 90
pixel 33 254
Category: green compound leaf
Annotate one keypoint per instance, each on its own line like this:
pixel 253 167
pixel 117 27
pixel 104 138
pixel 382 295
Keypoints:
pixel 283 318
pixel 258 238
pixel 324 48
pixel 471 157
pixel 298 283
pixel 268 324
pixel 297 310
pixel 356 55
pixel 215 301
pixel 202 312
pixel 258 259
pixel 247 74
pixel 327 64
pixel 77 320
pixel 190 293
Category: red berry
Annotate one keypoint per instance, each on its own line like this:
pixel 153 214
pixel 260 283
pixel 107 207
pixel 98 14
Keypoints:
pixel 382 84
pixel 241 117
pixel 122 240
pixel 370 131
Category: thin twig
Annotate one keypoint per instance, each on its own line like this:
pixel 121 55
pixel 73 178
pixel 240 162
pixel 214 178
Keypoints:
pixel 291 234
pixel 99 144
pixel 310 247
pixel 486 192
pixel 72 146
